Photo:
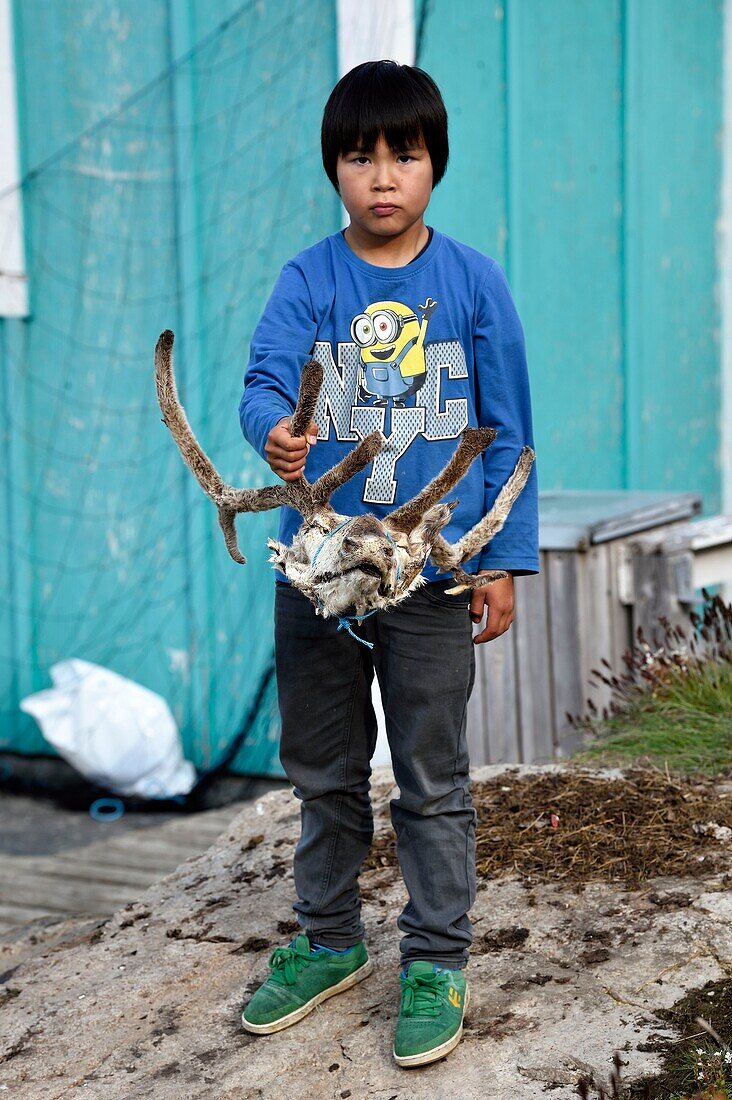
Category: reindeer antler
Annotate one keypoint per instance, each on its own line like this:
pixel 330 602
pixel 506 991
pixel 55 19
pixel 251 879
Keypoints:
pixel 473 441
pixel 311 380
pixel 416 526
pixel 450 558
pixel 302 496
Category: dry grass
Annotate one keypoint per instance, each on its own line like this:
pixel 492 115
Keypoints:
pixel 574 827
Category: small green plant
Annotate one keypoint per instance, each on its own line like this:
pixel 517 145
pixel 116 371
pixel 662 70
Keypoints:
pixel 712 1068
pixel 673 702
pixel 713 1074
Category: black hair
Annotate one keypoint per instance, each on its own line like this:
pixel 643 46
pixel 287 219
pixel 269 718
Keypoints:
pixel 401 102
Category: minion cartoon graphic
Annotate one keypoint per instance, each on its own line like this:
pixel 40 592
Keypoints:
pixel 391 339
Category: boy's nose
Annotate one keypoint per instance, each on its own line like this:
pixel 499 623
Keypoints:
pixel 383 180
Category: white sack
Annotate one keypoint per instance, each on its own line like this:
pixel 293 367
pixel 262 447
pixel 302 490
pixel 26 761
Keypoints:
pixel 112 730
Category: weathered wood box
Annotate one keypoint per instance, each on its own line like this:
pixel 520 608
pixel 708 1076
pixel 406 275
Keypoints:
pixel 593 589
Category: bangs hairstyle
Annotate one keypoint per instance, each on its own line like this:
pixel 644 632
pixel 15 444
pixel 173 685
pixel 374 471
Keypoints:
pixel 382 97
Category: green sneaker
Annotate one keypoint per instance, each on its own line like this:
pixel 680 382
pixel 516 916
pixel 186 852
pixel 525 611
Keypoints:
pixel 430 1022
pixel 302 978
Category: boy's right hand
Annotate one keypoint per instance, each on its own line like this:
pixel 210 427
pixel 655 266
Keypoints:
pixel 286 455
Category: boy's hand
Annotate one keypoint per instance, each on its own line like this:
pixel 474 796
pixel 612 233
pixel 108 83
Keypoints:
pixel 498 600
pixel 286 455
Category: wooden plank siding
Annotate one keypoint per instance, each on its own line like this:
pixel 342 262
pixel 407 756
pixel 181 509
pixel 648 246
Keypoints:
pixel 530 629
pixel 568 619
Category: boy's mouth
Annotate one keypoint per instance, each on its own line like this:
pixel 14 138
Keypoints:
pixel 384 208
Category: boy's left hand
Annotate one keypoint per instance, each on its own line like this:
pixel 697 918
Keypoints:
pixel 497 599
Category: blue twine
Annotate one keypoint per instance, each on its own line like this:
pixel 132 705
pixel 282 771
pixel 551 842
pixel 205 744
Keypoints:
pixel 97 808
pixel 344 621
pixel 325 539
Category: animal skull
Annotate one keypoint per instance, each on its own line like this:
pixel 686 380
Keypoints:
pixel 348 566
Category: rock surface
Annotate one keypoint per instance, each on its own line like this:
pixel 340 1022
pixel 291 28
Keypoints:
pixel 147 1003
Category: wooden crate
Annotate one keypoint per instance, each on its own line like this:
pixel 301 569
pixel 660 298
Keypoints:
pixel 575 612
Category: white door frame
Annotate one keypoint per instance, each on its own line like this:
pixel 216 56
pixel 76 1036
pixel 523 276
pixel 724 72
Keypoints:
pixel 13 274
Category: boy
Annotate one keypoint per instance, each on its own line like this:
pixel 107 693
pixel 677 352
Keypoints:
pixel 419 337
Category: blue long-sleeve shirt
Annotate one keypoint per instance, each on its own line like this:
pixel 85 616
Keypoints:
pixel 419 352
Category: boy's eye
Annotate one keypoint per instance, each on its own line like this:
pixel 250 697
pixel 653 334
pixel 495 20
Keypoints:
pixel 362 156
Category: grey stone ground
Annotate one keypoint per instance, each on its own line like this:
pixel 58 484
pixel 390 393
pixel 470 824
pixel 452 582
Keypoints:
pixel 147 1004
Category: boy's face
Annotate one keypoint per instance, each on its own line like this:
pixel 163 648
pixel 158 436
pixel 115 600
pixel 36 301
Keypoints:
pixel 385 192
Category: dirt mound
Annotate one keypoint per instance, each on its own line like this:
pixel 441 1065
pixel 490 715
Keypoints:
pixel 575 828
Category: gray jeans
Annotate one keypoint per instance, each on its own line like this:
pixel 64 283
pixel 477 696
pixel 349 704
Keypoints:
pixel 424 660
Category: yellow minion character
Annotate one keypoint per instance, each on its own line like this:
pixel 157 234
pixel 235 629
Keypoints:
pixel 391 339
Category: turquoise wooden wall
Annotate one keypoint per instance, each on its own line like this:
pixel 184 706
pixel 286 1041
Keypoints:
pixel 585 157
